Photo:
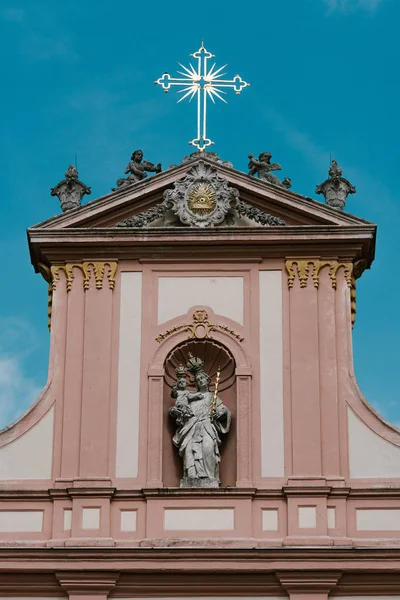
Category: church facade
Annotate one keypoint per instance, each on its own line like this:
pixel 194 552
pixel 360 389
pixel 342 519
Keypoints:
pixel 201 432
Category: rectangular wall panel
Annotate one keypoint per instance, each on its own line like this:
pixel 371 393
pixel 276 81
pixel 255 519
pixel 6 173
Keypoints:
pixel 199 519
pixel 31 455
pixel 130 334
pixel 270 520
pixel 378 519
pixel 271 374
pixel 176 295
pixel 23 521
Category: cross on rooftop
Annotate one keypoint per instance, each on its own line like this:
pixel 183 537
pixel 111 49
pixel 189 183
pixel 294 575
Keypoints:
pixel 205 82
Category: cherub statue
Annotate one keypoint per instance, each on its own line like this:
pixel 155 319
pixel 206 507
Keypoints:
pixel 263 167
pixel 137 168
pixel 181 411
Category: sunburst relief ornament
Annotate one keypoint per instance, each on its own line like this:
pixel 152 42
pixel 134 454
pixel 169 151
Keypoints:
pixel 204 82
pixel 201 199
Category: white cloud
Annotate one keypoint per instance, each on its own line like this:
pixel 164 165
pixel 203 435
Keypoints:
pixel 369 186
pixel 45 47
pixel 299 140
pixel 39 39
pixel 346 6
pixel 17 390
pixel 13 15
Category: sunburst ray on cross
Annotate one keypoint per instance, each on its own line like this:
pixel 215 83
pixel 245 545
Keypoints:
pixel 205 83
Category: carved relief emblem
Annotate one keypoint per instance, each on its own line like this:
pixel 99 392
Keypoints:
pixel 201 198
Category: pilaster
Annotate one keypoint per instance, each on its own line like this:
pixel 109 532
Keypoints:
pixel 155 428
pixel 83 585
pixel 309 585
pixel 244 437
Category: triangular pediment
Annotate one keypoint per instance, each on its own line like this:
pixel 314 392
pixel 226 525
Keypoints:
pixel 246 213
pixel 287 207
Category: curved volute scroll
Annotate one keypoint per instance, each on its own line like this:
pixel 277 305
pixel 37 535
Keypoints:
pixel 200 408
pixel 200 323
pixel 27 444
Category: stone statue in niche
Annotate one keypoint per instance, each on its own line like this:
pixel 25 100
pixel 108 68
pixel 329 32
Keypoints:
pixel 137 168
pixel 201 418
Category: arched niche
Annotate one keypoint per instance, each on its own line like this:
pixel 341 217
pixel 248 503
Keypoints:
pixel 215 355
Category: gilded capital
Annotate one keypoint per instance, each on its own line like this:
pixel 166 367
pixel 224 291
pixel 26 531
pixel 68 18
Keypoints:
pixel 89 269
pixel 303 268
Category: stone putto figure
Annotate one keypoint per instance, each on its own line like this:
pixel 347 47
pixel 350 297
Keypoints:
pixel 137 168
pixel 201 418
pixel 263 168
pixel 70 190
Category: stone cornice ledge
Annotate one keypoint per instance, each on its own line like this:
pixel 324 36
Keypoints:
pixel 339 242
pixel 278 491
pixel 375 557
pixel 161 583
pixel 196 493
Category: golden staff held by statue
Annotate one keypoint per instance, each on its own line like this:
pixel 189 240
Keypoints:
pixel 214 402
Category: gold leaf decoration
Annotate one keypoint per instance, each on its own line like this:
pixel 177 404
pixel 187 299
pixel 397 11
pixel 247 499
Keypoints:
pixel 202 199
pixel 302 269
pixel 88 268
pixel 199 329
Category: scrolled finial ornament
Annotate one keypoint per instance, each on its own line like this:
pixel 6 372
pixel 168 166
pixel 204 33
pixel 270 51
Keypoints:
pixel 70 190
pixel 336 188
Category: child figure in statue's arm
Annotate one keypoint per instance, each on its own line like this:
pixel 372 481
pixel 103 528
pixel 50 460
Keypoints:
pixel 181 410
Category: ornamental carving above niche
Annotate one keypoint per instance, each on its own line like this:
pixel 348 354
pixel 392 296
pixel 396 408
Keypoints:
pixel 199 329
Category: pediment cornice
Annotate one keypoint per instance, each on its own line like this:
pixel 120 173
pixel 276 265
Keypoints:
pixel 345 243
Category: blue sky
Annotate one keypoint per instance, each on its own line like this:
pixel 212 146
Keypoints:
pixel 78 78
